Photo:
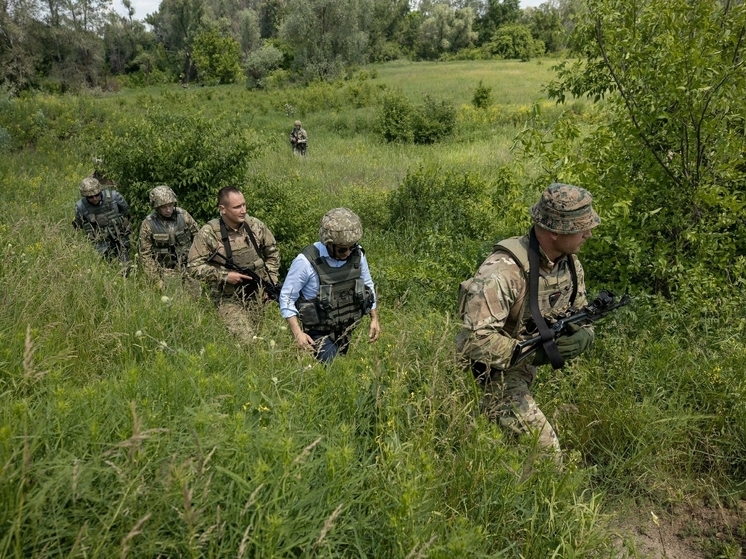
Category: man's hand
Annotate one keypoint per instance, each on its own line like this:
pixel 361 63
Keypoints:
pixel 375 327
pixel 573 345
pixel 236 277
pixel 305 342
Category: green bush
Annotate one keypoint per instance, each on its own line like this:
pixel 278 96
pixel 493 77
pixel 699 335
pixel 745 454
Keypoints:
pixel 260 63
pixel 515 41
pixel 192 154
pixel 434 120
pixel 217 58
pixel 482 96
pixel 398 120
pixel 395 116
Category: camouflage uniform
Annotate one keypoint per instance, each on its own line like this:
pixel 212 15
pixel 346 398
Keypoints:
pixel 299 139
pixel 233 307
pixel 494 308
pixel 106 223
pixel 164 242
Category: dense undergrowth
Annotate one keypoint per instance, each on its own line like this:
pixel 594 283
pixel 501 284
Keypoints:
pixel 131 424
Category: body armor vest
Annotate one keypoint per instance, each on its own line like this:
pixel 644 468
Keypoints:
pixel 343 297
pixel 556 291
pixel 171 240
pixel 103 219
pixel 243 254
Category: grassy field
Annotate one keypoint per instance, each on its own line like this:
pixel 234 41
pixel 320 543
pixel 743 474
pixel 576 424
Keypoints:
pixel 132 424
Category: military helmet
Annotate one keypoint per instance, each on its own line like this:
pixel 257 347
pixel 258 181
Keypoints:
pixel 161 195
pixel 297 122
pixel 340 226
pixel 90 186
pixel 565 209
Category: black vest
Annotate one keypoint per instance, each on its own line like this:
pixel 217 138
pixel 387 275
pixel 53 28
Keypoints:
pixel 342 299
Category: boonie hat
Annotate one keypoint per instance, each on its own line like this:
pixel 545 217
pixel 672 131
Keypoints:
pixel 565 209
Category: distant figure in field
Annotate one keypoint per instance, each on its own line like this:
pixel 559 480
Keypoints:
pixel 299 139
pixel 104 216
pixel 329 289
pixel 166 236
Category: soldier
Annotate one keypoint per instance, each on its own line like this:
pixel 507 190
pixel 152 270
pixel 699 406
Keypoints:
pixel 299 139
pixel 103 215
pixel 525 280
pixel 234 240
pixel 329 288
pixel 165 238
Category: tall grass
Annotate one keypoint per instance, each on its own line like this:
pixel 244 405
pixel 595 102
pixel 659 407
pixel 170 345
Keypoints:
pixel 132 424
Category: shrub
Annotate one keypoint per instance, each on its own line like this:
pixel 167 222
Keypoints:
pixel 260 63
pixel 394 120
pixel 193 155
pixel 434 120
pixel 515 41
pixel 482 96
pixel 397 120
pixel 217 58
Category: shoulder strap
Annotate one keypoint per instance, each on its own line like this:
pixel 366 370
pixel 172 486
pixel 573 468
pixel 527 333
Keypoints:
pixel 547 337
pixel 574 275
pixel 226 242
pixel 252 238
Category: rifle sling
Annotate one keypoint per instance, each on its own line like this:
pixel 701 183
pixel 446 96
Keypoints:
pixel 547 336
pixel 227 245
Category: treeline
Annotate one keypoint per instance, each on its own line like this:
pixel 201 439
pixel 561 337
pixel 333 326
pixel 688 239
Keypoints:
pixel 66 45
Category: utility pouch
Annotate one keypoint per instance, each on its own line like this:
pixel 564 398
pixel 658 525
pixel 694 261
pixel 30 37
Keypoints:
pixel 308 313
pixel 325 297
pixel 161 239
pixel 102 220
pixel 258 264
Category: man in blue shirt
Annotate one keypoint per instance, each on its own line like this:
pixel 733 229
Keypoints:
pixel 328 288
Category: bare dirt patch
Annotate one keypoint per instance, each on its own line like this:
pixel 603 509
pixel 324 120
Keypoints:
pixel 685 532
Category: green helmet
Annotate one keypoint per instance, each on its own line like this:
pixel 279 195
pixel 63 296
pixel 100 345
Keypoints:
pixel 340 226
pixel 161 195
pixel 565 209
pixel 89 186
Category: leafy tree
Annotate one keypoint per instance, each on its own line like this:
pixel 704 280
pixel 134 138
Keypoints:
pixel 482 96
pixel 515 41
pixel 497 14
pixel 217 57
pixel 176 24
pixel 445 30
pixel 669 160
pixel 546 26
pixel 260 63
pixel 327 35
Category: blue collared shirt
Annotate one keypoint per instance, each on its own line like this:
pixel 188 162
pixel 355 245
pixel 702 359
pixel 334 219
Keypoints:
pixel 303 280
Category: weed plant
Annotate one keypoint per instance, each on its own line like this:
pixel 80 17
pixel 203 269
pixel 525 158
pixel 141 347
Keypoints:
pixel 132 424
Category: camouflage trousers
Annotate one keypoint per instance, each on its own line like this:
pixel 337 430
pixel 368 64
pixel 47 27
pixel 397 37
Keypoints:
pixel 240 317
pixel 171 278
pixel 508 402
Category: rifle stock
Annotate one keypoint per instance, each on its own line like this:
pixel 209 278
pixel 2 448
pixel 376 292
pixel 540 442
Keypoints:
pixel 597 309
pixel 270 288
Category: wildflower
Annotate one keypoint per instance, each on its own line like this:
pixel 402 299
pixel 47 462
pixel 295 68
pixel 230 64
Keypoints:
pixel 138 334
pixel 165 300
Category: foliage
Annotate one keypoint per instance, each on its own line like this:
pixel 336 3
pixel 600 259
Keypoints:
pixel 672 142
pixel 498 14
pixel 326 35
pixel 546 26
pixel 194 155
pixel 216 57
pixel 515 41
pixel 445 30
pixel 398 120
pixel 482 96
pixel 260 63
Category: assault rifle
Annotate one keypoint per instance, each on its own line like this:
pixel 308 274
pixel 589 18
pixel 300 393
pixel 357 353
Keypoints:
pixel 271 288
pixel 597 309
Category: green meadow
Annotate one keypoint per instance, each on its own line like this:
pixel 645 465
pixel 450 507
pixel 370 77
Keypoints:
pixel 133 425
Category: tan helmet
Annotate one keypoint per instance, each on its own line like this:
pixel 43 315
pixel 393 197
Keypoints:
pixel 565 209
pixel 161 195
pixel 89 186
pixel 297 123
pixel 340 226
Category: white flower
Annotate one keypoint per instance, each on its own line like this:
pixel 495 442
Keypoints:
pixel 165 300
pixel 138 334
